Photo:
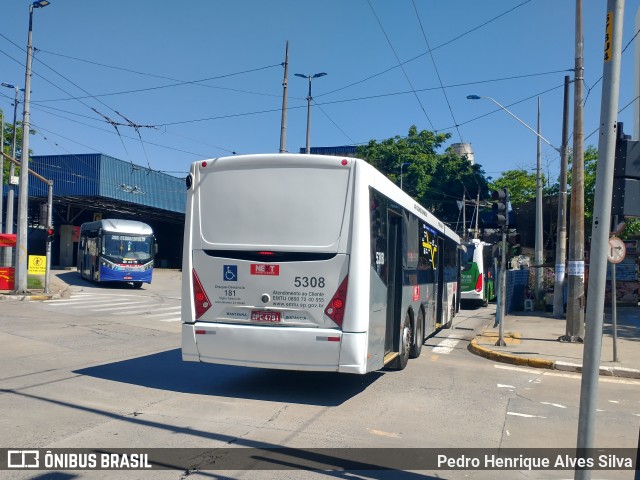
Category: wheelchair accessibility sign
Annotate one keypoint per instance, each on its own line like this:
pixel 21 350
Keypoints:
pixel 230 273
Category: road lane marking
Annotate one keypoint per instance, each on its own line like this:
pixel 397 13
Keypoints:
pixel 525 415
pixel 447 345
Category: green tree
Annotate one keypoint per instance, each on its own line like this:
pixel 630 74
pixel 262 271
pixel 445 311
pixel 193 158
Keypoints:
pixel 8 144
pixel 590 169
pixel 435 180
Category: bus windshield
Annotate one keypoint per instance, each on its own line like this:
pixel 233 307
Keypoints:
pixel 467 257
pixel 127 246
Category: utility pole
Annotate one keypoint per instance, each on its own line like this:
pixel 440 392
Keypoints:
pixel 600 230
pixel 539 260
pixel 561 242
pixel 476 231
pixel 575 270
pixel 23 197
pixel 464 220
pixel 285 81
pixel 8 224
pixel 1 169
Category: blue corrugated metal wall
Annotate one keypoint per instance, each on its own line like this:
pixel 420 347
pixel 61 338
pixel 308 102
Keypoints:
pixel 91 175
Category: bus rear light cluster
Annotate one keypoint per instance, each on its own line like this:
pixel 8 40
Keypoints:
pixel 335 309
pixel 200 300
pixel 478 287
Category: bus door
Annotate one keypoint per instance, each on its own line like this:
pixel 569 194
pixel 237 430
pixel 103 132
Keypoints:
pixel 441 286
pixel 394 282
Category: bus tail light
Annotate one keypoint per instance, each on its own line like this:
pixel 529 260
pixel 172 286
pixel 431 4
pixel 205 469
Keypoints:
pixel 479 283
pixel 200 299
pixel 335 309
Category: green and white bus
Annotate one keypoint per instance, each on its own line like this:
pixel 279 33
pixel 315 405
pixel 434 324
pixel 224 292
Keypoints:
pixel 310 262
pixel 477 287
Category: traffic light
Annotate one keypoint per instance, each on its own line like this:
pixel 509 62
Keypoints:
pixel 500 215
pixel 50 234
pixel 514 244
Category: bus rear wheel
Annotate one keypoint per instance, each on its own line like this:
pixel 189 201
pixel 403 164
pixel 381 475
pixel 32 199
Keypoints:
pixel 137 284
pixel 416 346
pixel 405 345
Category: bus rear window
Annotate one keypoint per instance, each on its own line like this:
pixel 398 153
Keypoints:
pixel 284 207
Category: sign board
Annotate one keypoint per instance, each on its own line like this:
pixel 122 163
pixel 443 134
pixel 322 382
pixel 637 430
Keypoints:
pixel 37 265
pixel 616 251
pixel 8 239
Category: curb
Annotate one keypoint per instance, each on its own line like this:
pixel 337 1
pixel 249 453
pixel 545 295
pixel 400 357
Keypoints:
pixel 481 351
pixel 30 297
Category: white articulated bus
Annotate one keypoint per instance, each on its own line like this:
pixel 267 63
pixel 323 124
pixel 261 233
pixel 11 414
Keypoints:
pixel 310 262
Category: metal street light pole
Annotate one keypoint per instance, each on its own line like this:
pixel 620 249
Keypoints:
pixel 310 77
pixel 538 227
pixel 401 167
pixel 23 197
pixel 11 193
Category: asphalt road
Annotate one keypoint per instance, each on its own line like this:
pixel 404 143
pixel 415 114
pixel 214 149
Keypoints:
pixel 101 368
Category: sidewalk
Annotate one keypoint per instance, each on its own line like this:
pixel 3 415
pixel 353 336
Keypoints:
pixel 57 289
pixel 532 340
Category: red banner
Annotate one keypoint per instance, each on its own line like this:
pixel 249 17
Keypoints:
pixel 7 278
pixel 8 239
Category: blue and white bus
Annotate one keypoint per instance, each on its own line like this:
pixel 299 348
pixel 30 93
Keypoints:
pixel 116 250
pixel 310 262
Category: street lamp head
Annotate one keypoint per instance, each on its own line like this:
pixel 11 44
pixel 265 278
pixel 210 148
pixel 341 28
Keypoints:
pixel 321 74
pixel 301 75
pixel 40 3
pixel 8 85
pixel 473 97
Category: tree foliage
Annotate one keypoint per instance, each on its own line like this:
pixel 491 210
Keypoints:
pixel 435 180
pixel 8 143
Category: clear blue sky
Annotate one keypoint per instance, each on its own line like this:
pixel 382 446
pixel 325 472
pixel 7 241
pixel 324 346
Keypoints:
pixel 204 78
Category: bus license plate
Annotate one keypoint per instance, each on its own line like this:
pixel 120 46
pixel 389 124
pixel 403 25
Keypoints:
pixel 267 317
pixel 127 277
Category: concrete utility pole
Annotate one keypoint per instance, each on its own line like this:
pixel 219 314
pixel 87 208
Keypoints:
pixel 575 272
pixel 285 82
pixel 561 242
pixel 600 229
pixel 539 258
pixel 23 197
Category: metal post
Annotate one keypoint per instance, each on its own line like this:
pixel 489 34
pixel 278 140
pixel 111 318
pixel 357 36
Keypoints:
pixel 476 232
pixel 1 170
pixel 614 305
pixel 575 271
pixel 283 123
pixel 308 149
pixel 561 242
pixel 539 226
pixel 464 214
pixel 503 286
pixel 600 229
pixel 8 224
pixel 47 275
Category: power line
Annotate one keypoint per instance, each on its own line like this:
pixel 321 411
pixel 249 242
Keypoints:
pixel 435 67
pixel 400 65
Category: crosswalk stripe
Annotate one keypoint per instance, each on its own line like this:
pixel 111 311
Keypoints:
pixel 166 311
pixel 126 307
pixel 447 345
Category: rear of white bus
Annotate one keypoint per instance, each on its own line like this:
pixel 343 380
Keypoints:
pixel 266 265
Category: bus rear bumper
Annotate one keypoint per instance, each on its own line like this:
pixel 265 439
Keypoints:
pixel 286 348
